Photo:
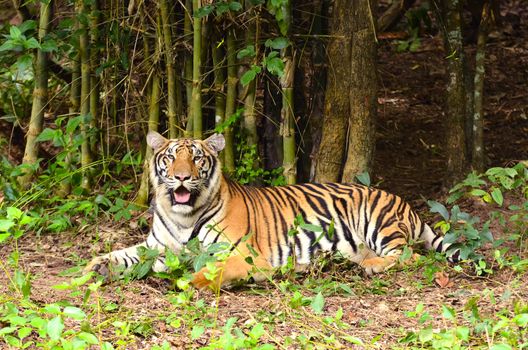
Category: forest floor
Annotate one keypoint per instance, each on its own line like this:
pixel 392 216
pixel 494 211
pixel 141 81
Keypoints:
pixel 375 310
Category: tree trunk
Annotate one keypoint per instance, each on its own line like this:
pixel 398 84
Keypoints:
pixel 250 98
pixel 40 93
pixel 456 94
pixel 331 154
pixel 363 93
pixel 478 162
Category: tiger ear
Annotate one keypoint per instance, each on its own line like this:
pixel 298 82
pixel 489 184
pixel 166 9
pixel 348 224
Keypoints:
pixel 155 140
pixel 215 142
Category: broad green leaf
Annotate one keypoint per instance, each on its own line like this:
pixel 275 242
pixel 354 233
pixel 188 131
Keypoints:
pixel 278 43
pixel 364 178
pixel 439 208
pixel 311 227
pixel 6 224
pixel 257 331
pixel 463 333
pixel 318 303
pixel 521 320
pixel 197 332
pixel 425 335
pixel 501 347
pixel 14 213
pixel 248 51
pixel 496 194
pixel 15 33
pixel 88 337
pixel 55 328
pixel 27 25
pixel 47 135
pixel 74 312
pixel 448 312
pixel 107 346
pixel 275 66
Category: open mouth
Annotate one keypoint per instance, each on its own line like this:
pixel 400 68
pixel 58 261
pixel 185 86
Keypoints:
pixel 181 195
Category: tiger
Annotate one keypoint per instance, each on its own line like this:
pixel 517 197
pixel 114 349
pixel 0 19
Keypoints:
pixel 194 199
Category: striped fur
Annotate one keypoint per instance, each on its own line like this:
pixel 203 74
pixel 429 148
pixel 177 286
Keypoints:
pixel 193 199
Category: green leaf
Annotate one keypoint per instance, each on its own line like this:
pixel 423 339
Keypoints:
pixel 74 312
pixel 311 227
pixel 462 333
pixel 14 213
pixel 438 208
pixel 197 332
pixel 353 340
pixel 88 337
pixel 31 43
pixel 55 327
pixel 496 194
pixel 6 224
pixel 49 46
pixel 478 192
pixel 501 347
pixel 47 135
pixel 318 303
pixel 235 6
pixel 257 331
pixel 27 25
pixel 278 43
pixel 275 66
pixel 248 51
pixel 204 11
pixel 521 320
pixel 364 178
pixel 425 335
pixel 15 33
pixel 448 312
pixel 107 346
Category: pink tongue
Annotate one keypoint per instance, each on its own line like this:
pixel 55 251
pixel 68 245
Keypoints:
pixel 182 197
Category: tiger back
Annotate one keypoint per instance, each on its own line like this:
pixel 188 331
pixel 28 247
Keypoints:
pixel 193 199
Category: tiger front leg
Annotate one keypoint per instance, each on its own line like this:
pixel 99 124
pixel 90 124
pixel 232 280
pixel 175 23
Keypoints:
pixel 234 268
pixel 108 265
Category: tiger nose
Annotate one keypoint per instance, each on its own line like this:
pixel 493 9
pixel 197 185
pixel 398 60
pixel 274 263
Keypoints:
pixel 182 177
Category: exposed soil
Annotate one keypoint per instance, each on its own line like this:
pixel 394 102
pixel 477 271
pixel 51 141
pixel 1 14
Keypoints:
pixel 409 161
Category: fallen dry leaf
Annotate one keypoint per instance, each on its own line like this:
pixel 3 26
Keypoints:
pixel 442 279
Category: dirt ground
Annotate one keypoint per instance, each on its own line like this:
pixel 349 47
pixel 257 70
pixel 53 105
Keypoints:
pixel 409 162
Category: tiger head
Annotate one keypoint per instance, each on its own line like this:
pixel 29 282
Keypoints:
pixel 185 173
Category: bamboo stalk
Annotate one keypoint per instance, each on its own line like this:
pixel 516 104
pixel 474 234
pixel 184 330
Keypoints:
pixel 196 102
pixel 94 80
pixel 188 66
pixel 171 71
pixel 231 95
pixel 219 84
pixel 153 122
pixel 40 92
pixel 75 93
pixel 84 52
pixel 289 162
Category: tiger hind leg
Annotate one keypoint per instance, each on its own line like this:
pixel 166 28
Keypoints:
pixel 389 257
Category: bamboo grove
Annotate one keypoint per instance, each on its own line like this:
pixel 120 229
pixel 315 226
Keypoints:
pixel 274 77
